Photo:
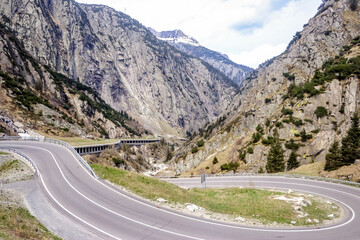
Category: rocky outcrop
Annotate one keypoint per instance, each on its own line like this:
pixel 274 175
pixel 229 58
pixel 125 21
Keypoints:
pixel 236 72
pixel 133 71
pixel 266 92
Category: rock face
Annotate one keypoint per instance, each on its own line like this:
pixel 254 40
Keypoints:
pixel 123 61
pixel 261 99
pixel 192 47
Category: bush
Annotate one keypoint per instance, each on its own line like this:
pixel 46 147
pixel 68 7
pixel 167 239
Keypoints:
pixel 321 112
pixel 289 76
pixel 194 150
pixel 242 155
pixel 292 145
pixel 304 136
pixel 260 129
pixel 200 143
pixel 268 141
pixel 250 150
pixel 117 161
pixel 286 111
pixel 261 170
pixel 230 166
pixel 256 137
pixel 215 160
pixel 267 123
pixel 279 124
pixel 267 100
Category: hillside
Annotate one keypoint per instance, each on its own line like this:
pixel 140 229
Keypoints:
pixel 38 98
pixel 122 61
pixel 236 72
pixel 307 94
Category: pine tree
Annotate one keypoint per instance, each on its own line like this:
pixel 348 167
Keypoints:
pixel 333 158
pixel 275 159
pixel 292 162
pixel 351 143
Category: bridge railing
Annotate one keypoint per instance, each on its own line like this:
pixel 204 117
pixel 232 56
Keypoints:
pixel 54 141
pixel 323 179
pixel 22 155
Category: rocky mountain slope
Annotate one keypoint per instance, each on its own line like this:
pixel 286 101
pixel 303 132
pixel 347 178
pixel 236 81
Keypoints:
pixel 33 96
pixel 165 90
pixel 308 94
pixel 236 72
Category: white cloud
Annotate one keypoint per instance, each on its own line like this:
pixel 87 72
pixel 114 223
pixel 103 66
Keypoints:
pixel 234 27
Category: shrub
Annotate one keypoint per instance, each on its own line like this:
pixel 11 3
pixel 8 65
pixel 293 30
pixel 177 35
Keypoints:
pixel 242 155
pixel 200 143
pixel 261 170
pixel 250 150
pixel 194 150
pixel 279 124
pixel 230 166
pixel 267 100
pixel 260 129
pixel 215 160
pixel 268 141
pixel 267 123
pixel 117 161
pixel 256 137
pixel 289 76
pixel 292 145
pixel 321 112
pixel 304 136
pixel 286 111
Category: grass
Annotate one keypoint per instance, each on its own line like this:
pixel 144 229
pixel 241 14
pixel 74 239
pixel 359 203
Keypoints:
pixel 312 169
pixel 3 153
pixel 245 202
pixel 8 165
pixel 18 223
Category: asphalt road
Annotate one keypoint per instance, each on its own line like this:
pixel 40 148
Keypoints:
pixel 111 213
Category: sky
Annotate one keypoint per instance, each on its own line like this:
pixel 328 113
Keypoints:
pixel 248 31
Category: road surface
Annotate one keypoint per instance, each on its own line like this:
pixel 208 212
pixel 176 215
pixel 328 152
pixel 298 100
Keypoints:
pixel 110 213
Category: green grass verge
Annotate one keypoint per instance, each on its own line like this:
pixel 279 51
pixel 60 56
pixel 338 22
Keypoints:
pixel 8 165
pixel 18 223
pixel 3 153
pixel 245 202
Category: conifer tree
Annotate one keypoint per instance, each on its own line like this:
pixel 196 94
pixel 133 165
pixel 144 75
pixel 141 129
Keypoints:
pixel 292 162
pixel 275 159
pixel 351 143
pixel 333 158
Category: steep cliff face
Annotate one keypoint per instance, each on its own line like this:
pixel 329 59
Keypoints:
pixel 128 66
pixel 34 97
pixel 271 97
pixel 236 72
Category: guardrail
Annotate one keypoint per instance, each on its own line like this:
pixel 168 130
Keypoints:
pixel 54 141
pixel 323 179
pixel 23 155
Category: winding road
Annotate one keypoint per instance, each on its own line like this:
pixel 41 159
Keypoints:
pixel 111 213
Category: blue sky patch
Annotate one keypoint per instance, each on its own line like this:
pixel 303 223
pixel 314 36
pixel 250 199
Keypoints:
pixel 247 27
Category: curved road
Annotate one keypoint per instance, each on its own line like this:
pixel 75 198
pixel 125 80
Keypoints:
pixel 113 214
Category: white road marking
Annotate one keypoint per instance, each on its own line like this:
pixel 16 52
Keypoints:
pixel 99 205
pixel 214 223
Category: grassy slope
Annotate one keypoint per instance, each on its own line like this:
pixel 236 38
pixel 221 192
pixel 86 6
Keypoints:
pixel 17 222
pixel 248 203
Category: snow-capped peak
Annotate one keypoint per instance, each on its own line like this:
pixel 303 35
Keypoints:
pixel 175 36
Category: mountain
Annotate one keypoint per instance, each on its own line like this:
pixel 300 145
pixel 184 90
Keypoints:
pixel 308 94
pixel 236 72
pixel 35 96
pixel 163 89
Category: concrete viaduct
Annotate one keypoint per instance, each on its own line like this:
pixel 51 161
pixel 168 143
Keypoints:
pixel 89 149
